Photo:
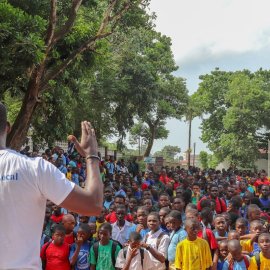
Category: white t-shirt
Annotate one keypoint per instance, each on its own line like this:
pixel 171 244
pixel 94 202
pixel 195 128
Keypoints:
pixel 25 185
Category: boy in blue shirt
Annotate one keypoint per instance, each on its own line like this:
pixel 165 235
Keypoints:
pixel 177 235
pixel 79 251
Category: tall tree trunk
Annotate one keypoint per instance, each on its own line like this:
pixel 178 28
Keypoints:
pixel 150 142
pixel 189 140
pixel 19 129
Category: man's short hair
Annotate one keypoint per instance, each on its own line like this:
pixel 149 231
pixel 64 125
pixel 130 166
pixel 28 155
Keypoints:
pixel 3 118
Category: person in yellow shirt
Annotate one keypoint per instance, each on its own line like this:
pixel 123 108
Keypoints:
pixel 261 261
pixel 193 252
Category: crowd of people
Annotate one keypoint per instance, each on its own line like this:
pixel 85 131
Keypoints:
pixel 171 219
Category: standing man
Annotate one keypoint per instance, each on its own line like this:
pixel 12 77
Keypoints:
pixel 26 184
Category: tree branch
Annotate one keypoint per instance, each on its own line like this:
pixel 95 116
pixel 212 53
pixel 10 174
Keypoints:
pixel 70 22
pixel 52 24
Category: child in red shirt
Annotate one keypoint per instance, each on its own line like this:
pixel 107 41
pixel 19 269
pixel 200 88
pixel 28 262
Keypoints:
pixel 55 254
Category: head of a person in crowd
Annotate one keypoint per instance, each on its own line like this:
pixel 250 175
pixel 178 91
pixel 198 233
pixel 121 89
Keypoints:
pixel 175 220
pixel 179 191
pixel 253 212
pixel 230 192
pixel 233 234
pixel 148 204
pixel 69 223
pixel 92 227
pixel 104 233
pixel 220 224
pixel 213 204
pixel 48 213
pixel 190 206
pixel 243 186
pixel 142 214
pixel 185 183
pixel 108 194
pixel 83 219
pixel 163 212
pixel 265 191
pixel 112 208
pixel 101 217
pixel 247 197
pixel 234 204
pixel 264 243
pixel 192 228
pixel 235 249
pixel 163 172
pixel 223 249
pixel 221 190
pixel 196 189
pixel 58 235
pixel 133 203
pixel 232 180
pixel 206 203
pixel 192 214
pixel 147 194
pixel 134 240
pixel 227 217
pixel 129 192
pixel 214 191
pixel 48 152
pixel 262 175
pixel 164 200
pixel 120 213
pixel 207 215
pixel 134 186
pixel 84 232
pixel 153 222
pixel 119 200
pixel 56 210
pixel 256 227
pixel 241 225
pixel 178 203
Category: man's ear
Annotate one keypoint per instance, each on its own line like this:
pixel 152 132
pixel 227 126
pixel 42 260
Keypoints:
pixel 8 128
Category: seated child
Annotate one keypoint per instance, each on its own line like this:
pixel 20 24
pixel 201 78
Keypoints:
pixel 262 260
pixel 238 260
pixel 55 254
pixel 79 251
pixel 193 252
pixel 133 256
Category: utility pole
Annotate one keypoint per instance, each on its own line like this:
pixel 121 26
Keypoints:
pixel 189 139
pixel 194 152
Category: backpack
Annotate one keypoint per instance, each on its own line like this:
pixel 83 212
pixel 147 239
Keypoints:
pixel 125 249
pixel 245 260
pixel 44 261
pixel 114 246
pixel 158 239
pixel 258 260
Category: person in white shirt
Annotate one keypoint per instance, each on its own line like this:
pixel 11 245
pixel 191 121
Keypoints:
pixel 121 228
pixel 156 242
pixel 25 185
pixel 133 256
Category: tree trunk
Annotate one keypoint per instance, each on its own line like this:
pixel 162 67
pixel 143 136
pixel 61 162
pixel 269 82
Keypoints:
pixel 19 129
pixel 189 140
pixel 150 142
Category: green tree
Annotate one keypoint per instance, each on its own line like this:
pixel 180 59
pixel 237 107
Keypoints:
pixel 168 152
pixel 237 110
pixel 44 43
pixel 204 159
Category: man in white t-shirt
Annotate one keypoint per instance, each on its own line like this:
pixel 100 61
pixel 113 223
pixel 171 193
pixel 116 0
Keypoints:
pixel 26 184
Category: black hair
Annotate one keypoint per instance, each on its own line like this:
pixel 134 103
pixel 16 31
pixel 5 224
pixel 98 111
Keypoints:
pixel 155 214
pixel 135 236
pixel 206 212
pixel 143 208
pixel 106 227
pixel 120 196
pixel 196 184
pixel 3 118
pixel 241 220
pixel 85 227
pixel 164 194
pixel 166 210
pixel 206 203
pixel 58 227
pixel 175 214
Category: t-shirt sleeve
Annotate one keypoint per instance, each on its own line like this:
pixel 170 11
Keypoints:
pixel 92 257
pixel 52 183
pixel 120 261
pixel 163 246
pixel 208 257
pixel 178 257
pixel 72 251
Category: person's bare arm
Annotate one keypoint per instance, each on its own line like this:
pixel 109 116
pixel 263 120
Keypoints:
pixel 87 201
pixel 156 254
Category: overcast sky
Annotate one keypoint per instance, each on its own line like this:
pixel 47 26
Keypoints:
pixel 229 34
